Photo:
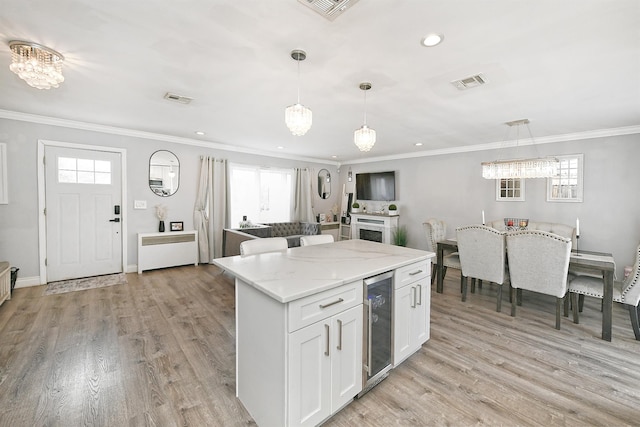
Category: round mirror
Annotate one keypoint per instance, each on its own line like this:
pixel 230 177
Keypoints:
pixel 164 173
pixel 324 184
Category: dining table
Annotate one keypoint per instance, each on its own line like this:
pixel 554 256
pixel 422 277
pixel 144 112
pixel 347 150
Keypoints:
pixel 598 263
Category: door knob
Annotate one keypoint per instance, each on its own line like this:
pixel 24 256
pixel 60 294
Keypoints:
pixel 114 220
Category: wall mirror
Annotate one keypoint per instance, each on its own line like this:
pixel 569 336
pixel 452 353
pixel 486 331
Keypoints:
pixel 164 173
pixel 324 184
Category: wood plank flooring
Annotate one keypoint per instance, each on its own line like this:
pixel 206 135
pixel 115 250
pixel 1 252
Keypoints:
pixel 160 351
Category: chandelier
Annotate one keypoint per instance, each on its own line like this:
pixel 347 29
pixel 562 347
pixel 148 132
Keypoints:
pixel 298 117
pixel 37 65
pixel 541 167
pixel 365 137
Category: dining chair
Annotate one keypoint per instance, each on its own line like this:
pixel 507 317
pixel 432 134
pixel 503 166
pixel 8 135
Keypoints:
pixel 262 245
pixel 539 262
pixel 626 292
pixel 316 239
pixel 482 256
pixel 435 231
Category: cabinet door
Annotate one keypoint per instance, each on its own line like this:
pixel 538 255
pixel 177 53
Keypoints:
pixel 403 344
pixel 346 356
pixel 310 374
pixel 420 313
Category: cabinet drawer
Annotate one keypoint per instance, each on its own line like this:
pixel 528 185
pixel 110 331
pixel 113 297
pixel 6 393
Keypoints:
pixel 411 273
pixel 308 310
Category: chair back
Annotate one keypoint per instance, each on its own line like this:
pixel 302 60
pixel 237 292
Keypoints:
pixel 435 231
pixel 316 239
pixel 267 244
pixel 631 283
pixel 539 261
pixel 482 252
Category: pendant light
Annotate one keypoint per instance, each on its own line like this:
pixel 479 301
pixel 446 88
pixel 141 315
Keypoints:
pixel 365 137
pixel 298 117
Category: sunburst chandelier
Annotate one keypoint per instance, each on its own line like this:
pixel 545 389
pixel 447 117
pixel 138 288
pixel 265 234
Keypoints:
pixel 298 117
pixel 541 167
pixel 37 65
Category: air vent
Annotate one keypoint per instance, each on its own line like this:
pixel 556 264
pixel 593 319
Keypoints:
pixel 330 9
pixel 177 98
pixel 470 82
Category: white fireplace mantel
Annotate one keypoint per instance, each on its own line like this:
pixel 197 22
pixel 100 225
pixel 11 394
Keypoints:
pixel 386 225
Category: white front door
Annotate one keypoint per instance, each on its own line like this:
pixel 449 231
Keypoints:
pixel 83 197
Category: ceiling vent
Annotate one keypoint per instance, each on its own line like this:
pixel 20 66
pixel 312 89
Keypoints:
pixel 470 82
pixel 177 98
pixel 330 9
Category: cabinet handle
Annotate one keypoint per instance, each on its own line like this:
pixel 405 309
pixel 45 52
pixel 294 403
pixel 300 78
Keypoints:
pixel 369 343
pixel 331 303
pixel 419 294
pixel 339 347
pixel 413 301
pixel 415 272
pixel 326 330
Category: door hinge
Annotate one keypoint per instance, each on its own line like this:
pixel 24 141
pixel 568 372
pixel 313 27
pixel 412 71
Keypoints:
pixel 44 211
pixel 45 262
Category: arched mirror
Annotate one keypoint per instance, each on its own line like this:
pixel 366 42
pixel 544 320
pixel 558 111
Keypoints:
pixel 324 184
pixel 164 173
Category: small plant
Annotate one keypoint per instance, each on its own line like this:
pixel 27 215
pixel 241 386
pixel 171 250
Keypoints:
pixel 393 207
pixel 356 205
pixel 400 236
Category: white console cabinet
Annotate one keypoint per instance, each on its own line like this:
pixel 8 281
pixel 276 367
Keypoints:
pixel 160 250
pixel 375 227
pixel 412 307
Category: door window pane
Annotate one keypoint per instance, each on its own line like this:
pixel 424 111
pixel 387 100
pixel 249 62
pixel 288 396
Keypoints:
pixel 83 171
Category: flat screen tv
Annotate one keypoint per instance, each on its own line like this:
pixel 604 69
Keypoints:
pixel 379 186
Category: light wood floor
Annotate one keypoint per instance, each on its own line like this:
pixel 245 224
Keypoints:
pixel 160 352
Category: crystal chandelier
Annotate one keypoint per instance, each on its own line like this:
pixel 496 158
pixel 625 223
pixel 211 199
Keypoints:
pixel 37 65
pixel 365 137
pixel 298 117
pixel 541 167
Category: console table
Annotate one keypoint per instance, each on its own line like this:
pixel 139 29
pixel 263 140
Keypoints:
pixel 170 249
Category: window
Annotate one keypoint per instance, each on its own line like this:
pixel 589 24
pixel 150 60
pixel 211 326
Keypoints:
pixel 262 194
pixel 84 171
pixel 568 185
pixel 510 190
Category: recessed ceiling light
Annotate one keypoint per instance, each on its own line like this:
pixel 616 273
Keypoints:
pixel 334 157
pixel 280 147
pixel 199 132
pixel 418 144
pixel 432 39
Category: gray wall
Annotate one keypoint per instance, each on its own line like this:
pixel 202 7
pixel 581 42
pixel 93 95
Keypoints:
pixel 19 218
pixel 451 187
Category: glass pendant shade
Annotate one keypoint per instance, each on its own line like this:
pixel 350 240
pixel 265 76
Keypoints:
pixel 521 168
pixel 364 138
pixel 37 65
pixel 298 119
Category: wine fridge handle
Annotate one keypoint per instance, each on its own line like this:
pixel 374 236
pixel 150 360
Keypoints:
pixel 369 343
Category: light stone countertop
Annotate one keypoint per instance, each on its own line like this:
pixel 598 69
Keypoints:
pixel 298 272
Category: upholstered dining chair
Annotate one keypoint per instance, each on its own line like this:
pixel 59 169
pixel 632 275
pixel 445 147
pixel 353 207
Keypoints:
pixel 626 292
pixel 482 257
pixel 539 262
pixel 262 245
pixel 316 239
pixel 435 231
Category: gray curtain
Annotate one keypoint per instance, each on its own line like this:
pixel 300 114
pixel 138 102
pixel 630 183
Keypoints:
pixel 301 206
pixel 210 211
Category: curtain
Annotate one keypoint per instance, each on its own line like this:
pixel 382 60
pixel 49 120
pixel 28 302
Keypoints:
pixel 301 207
pixel 210 211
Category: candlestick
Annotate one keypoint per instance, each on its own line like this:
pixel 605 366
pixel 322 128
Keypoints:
pixel 482 217
pixel 577 227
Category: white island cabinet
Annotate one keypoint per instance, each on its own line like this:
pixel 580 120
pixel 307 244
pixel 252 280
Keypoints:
pixel 299 326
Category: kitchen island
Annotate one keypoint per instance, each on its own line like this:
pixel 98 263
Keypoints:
pixel 299 324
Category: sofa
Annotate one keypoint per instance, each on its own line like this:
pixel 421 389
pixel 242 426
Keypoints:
pixel 292 231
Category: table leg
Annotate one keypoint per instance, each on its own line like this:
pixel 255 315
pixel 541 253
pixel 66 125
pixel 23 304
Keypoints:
pixel 607 303
pixel 440 270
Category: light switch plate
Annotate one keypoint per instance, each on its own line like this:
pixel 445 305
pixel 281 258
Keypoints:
pixel 140 204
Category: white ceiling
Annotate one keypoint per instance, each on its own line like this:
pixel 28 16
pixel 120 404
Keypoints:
pixel 569 66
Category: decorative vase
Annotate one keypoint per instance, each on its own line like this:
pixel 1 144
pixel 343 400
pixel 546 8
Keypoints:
pixel 161 227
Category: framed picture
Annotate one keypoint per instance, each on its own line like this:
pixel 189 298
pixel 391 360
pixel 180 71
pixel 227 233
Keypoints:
pixel 177 226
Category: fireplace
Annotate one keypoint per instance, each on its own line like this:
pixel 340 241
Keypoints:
pixel 373 227
pixel 373 235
